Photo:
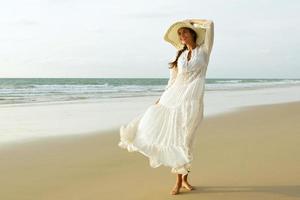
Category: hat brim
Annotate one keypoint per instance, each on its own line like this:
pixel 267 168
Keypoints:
pixel 172 37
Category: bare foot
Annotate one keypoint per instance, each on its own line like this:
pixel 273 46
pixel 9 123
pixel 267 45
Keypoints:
pixel 176 189
pixel 187 185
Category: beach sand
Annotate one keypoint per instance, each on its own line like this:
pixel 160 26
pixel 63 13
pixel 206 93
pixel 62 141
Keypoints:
pixel 252 153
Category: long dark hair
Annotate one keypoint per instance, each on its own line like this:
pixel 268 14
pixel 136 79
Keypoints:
pixel 179 52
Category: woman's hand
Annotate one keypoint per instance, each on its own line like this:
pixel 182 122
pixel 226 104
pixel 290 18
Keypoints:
pixel 157 101
pixel 204 23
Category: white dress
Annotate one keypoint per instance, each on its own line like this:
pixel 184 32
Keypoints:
pixel 166 131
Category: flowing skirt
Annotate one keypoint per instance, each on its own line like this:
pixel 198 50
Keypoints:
pixel 166 131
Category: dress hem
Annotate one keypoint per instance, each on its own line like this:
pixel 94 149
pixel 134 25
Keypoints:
pixel 183 168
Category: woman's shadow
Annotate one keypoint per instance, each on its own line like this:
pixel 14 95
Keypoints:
pixel 288 190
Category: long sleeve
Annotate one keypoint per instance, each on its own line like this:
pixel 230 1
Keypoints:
pixel 172 77
pixel 208 25
pixel 209 35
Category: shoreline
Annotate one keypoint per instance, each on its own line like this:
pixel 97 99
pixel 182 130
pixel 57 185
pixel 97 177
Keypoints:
pixel 103 100
pixel 49 120
pixel 235 156
pixel 108 131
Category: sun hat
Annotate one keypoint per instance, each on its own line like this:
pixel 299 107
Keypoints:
pixel 172 37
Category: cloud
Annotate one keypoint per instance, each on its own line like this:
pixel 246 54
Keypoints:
pixel 124 38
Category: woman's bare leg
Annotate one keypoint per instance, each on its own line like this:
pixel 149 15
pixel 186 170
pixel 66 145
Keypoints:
pixel 185 182
pixel 178 185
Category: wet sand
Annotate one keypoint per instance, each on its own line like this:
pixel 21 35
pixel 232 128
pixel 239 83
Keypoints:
pixel 252 153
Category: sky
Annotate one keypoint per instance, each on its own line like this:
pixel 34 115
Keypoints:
pixel 124 39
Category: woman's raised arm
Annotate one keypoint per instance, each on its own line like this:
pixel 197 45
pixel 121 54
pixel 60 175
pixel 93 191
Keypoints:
pixel 208 25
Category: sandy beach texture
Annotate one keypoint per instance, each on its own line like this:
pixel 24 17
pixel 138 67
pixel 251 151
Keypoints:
pixel 248 154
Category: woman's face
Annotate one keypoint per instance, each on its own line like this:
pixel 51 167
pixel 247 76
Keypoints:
pixel 185 36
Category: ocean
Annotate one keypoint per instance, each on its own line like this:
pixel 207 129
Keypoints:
pixel 39 90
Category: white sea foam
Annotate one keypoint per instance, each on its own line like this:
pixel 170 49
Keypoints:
pixel 22 122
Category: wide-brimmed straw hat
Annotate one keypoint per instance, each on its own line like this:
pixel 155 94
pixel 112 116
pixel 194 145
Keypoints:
pixel 172 36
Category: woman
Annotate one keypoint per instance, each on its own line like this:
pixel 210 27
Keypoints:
pixel 166 131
